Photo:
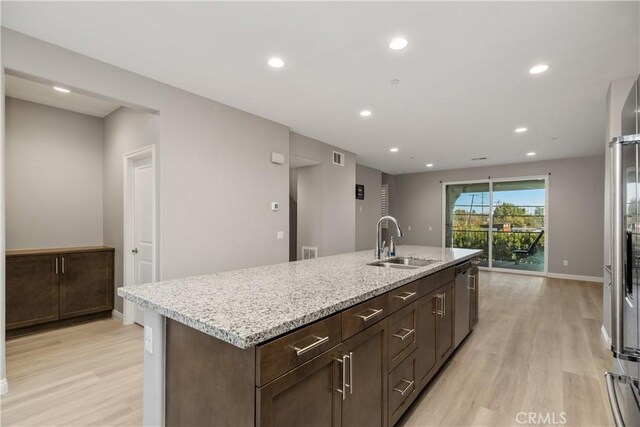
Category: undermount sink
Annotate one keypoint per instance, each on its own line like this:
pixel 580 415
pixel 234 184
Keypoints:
pixel 403 262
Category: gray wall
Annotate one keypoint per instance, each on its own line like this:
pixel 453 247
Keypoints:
pixel 338 226
pixel 216 177
pixel 53 177
pixel 367 210
pixel 576 194
pixel 124 130
pixel 310 209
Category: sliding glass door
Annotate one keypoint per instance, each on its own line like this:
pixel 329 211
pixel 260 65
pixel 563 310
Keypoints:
pixel 504 218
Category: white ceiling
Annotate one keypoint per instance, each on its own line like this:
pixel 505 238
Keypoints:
pixel 464 82
pixel 29 90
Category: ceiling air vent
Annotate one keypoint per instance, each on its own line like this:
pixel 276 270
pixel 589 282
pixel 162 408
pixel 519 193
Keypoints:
pixel 479 158
pixel 338 158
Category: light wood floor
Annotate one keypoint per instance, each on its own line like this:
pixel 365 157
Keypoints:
pixel 537 348
pixel 89 374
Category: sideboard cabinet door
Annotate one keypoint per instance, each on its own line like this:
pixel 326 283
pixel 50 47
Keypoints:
pixel 86 283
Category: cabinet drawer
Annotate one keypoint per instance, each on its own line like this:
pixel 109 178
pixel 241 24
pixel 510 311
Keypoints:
pixel 362 315
pixel 402 388
pixel 402 334
pixel 430 283
pixel 285 353
pixel 402 296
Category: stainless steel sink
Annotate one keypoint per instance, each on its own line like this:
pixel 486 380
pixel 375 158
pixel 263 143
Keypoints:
pixel 403 263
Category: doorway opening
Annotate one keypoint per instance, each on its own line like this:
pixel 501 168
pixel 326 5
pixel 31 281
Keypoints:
pixel 305 208
pixel 505 218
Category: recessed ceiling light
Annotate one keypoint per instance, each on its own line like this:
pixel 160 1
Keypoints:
pixel 531 153
pixel 365 113
pixel 61 89
pixel 429 165
pixel 393 150
pixel 276 62
pixel 395 81
pixel 520 130
pixel 540 68
pixel 398 43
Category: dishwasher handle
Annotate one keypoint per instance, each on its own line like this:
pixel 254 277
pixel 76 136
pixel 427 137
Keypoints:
pixel 463 268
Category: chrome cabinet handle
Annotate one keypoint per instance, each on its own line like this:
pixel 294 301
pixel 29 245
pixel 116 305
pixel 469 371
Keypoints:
pixel 443 302
pixel 350 372
pixel 613 398
pixel 472 288
pixel 403 392
pixel 62 265
pixel 303 350
pixel 407 334
pixel 343 390
pixel 405 295
pixel 373 314
pixel 56 265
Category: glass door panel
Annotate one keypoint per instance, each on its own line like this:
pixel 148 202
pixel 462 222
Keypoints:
pixel 467 217
pixel 518 225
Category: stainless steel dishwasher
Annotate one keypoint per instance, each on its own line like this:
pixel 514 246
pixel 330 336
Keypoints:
pixel 462 299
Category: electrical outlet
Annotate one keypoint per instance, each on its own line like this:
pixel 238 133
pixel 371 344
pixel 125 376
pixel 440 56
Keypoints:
pixel 148 339
pixel 430 228
pixel 360 208
pixel 409 228
pixel 565 262
pixel 280 235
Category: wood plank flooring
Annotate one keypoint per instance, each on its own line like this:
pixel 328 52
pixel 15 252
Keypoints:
pixel 537 348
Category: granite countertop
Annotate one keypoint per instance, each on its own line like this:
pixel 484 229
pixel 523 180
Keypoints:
pixel 247 307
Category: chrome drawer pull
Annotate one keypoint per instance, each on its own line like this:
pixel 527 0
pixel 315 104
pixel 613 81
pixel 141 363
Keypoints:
pixel 372 315
pixel 301 351
pixel 407 334
pixel 473 287
pixel 403 392
pixel 405 295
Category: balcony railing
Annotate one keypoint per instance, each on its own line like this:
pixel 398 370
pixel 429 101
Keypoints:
pixel 504 243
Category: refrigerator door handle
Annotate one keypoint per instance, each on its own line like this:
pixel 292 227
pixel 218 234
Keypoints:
pixel 617 250
pixel 613 397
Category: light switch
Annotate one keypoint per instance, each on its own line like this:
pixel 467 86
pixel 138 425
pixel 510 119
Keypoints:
pixel 275 206
pixel 280 235
pixel 409 228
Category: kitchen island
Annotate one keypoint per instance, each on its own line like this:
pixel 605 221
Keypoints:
pixel 328 341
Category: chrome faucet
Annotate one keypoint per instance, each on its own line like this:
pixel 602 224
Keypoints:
pixel 378 237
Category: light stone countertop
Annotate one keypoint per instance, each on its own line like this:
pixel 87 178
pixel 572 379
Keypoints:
pixel 247 307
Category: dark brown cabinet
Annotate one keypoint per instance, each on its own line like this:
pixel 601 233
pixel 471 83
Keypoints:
pixel 306 396
pixel 444 320
pixel 55 286
pixel 366 357
pixel 427 332
pixel 31 290
pixel 474 277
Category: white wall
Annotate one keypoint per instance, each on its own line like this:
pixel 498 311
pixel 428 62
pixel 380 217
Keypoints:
pixel 125 130
pixel 367 210
pixel 53 177
pixel 575 211
pixel 338 194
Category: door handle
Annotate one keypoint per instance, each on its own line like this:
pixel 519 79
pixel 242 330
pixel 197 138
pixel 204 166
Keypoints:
pixel 62 265
pixel 473 287
pixel 350 372
pixel 443 301
pixel 56 265
pixel 134 250
pixel 343 390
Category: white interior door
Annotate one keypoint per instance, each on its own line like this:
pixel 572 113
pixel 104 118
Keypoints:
pixel 142 244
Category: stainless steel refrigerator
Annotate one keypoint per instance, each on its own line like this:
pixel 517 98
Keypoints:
pixel 623 382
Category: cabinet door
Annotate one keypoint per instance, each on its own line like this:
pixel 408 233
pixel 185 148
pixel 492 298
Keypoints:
pixel 445 315
pixel 473 295
pixel 366 399
pixel 427 333
pixel 306 396
pixel 86 283
pixel 31 290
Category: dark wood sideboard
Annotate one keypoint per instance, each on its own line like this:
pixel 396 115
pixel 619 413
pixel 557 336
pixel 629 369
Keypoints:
pixel 48 288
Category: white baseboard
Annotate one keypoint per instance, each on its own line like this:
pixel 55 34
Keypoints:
pixel 116 315
pixel 576 277
pixel 4 386
pixel 605 336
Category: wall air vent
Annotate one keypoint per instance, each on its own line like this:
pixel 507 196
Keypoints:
pixel 309 252
pixel 384 204
pixel 338 158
